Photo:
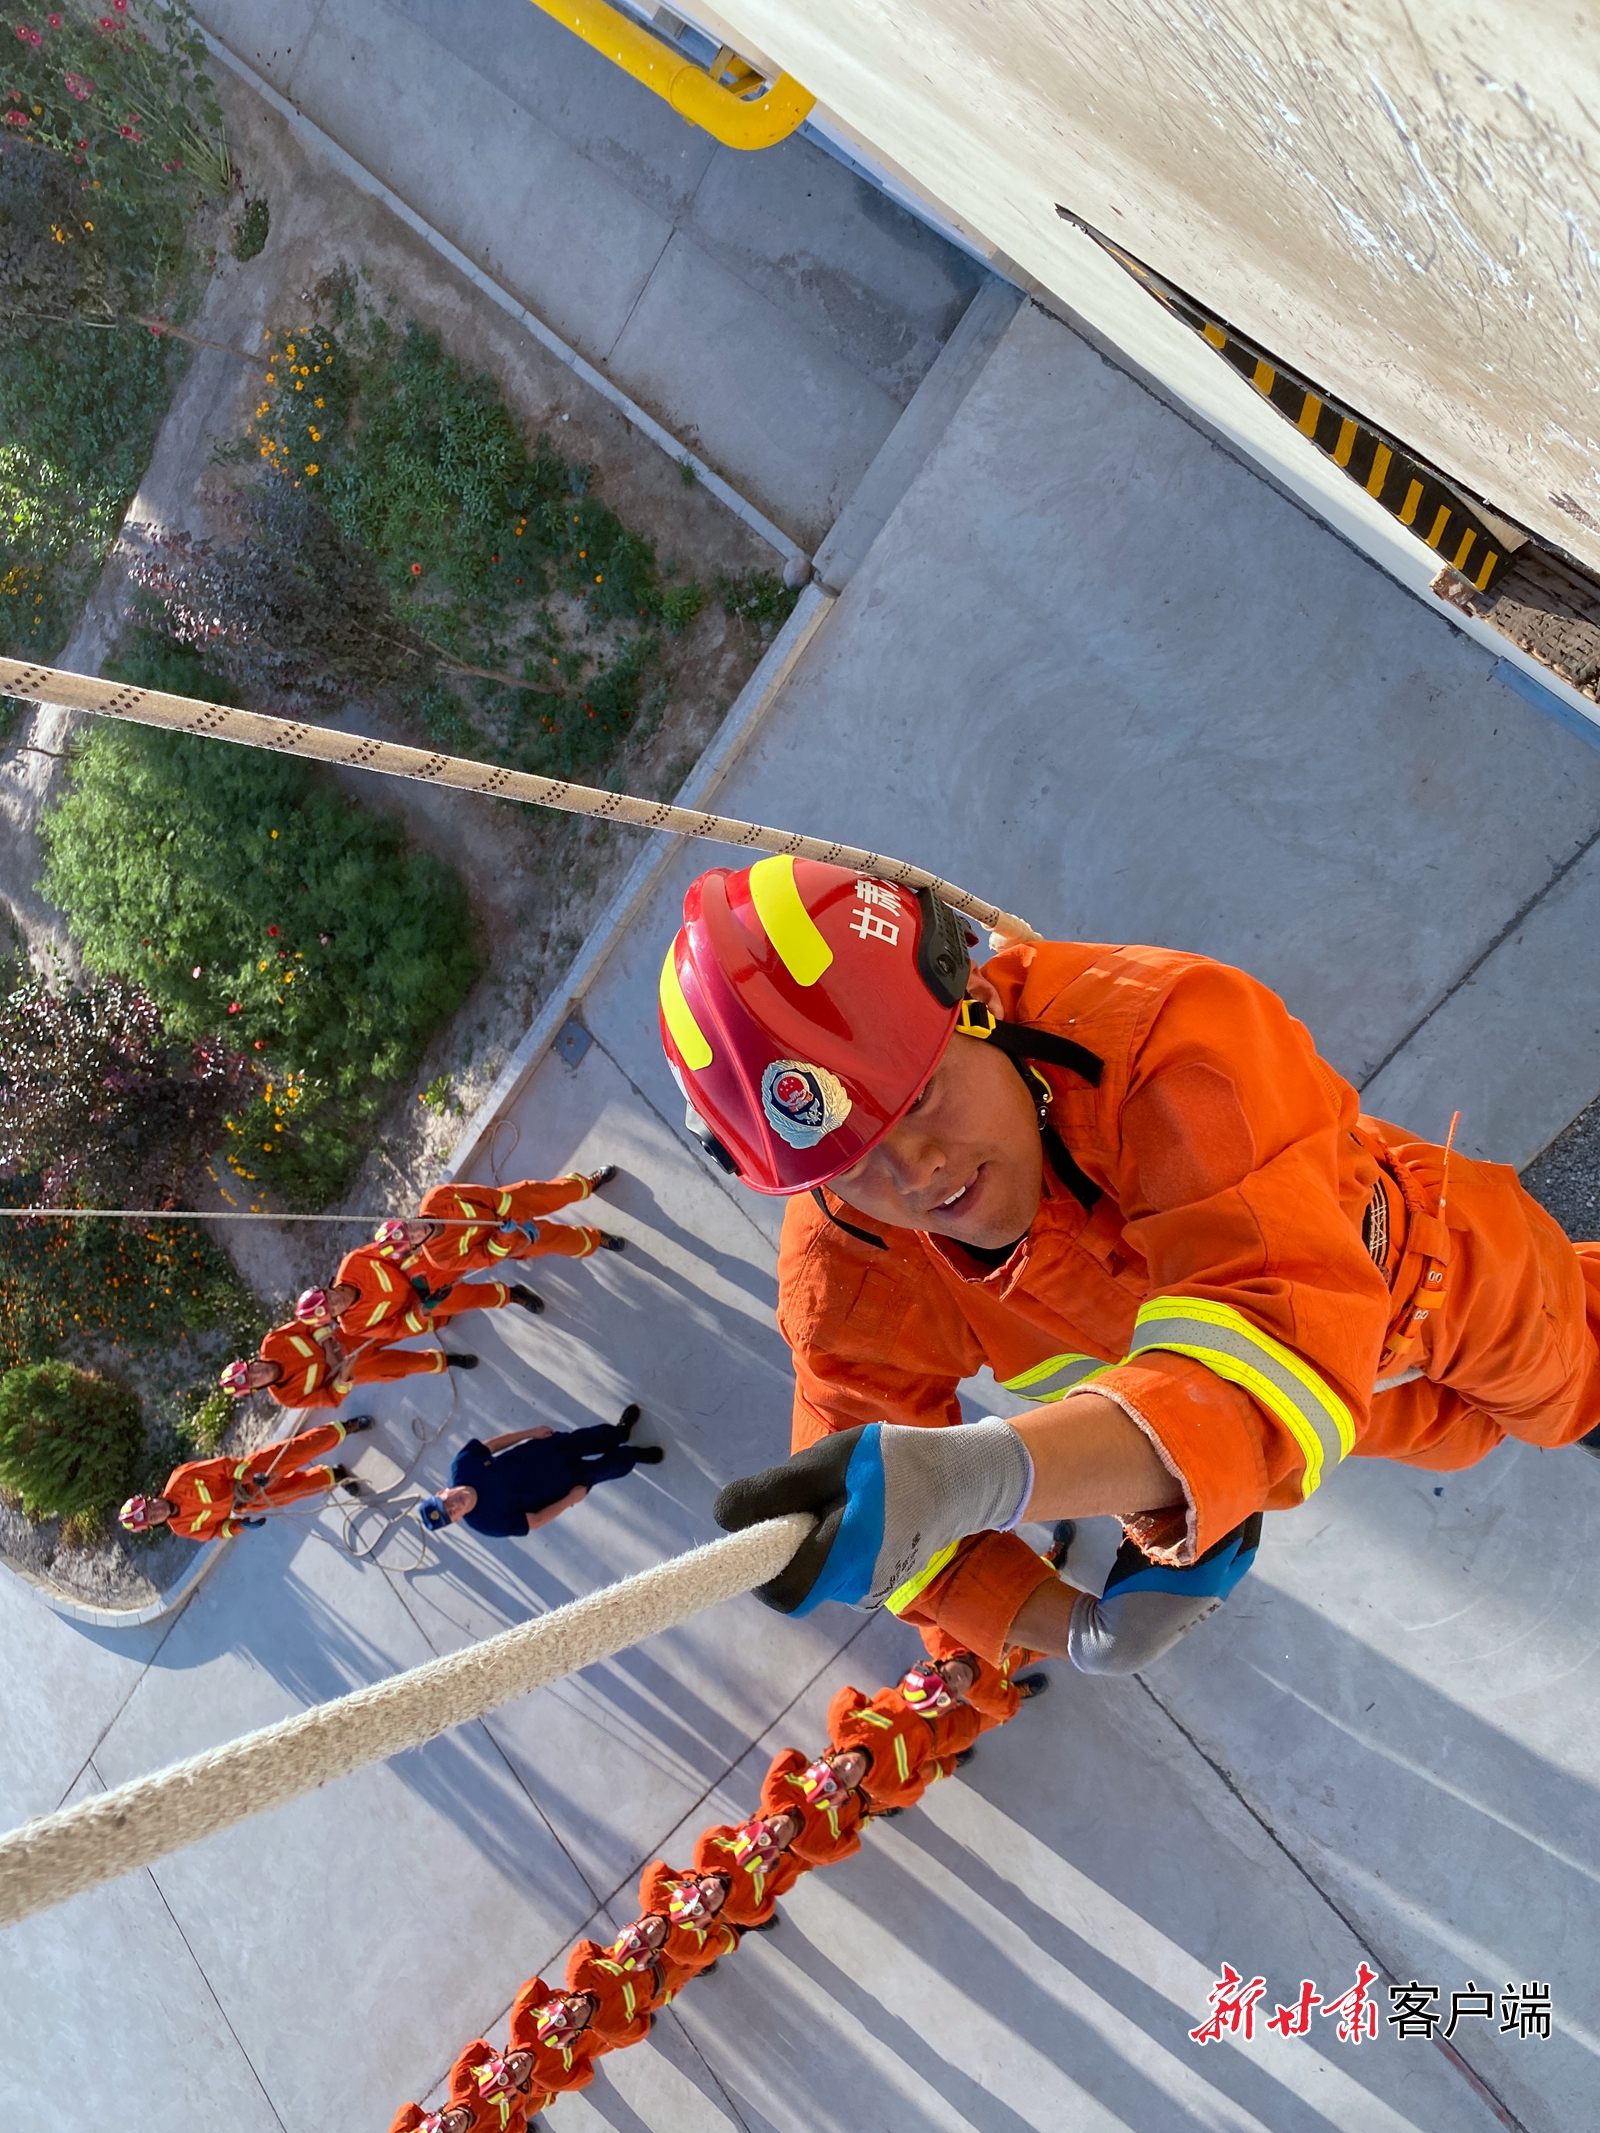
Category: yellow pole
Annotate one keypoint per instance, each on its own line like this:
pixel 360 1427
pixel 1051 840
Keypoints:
pixel 738 116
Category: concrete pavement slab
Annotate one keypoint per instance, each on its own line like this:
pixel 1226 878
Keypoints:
pixel 563 236
pixel 835 257
pixel 760 395
pixel 789 283
pixel 614 122
pixel 280 1915
pixel 1408 1690
pixel 105 1997
pixel 1515 1045
pixel 43 1651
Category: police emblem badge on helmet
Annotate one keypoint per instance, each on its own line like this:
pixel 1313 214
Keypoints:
pixel 803 1102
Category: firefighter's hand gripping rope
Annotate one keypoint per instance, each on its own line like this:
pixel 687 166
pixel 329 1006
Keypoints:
pixel 61 1855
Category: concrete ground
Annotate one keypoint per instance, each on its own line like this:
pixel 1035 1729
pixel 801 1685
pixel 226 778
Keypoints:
pixel 773 310
pixel 1096 668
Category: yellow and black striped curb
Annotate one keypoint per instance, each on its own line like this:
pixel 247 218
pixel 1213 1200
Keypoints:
pixel 1408 489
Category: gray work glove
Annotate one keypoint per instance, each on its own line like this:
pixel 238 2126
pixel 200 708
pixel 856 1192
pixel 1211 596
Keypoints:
pixel 886 1500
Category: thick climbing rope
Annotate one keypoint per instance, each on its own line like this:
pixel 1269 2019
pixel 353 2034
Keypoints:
pixel 61 1855
pixel 323 744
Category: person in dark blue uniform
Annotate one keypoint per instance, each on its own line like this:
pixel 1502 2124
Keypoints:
pixel 514 1484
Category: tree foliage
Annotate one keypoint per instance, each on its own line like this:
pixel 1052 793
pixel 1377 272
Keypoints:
pixel 98 1103
pixel 70 1440
pixel 293 610
pixel 241 891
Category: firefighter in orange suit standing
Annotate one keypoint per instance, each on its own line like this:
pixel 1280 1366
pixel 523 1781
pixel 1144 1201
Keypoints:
pixel 212 1499
pixel 373 1299
pixel 1123 1179
pixel 303 1366
pixel 467 1229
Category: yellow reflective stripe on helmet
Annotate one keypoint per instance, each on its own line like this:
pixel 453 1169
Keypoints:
pixel 1225 1341
pixel 919 1581
pixel 683 1029
pixel 1055 1377
pixel 790 927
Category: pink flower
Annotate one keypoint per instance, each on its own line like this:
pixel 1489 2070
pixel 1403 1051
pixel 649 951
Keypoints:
pixel 196 971
pixel 272 933
pixel 54 21
pixel 121 6
pixel 235 1009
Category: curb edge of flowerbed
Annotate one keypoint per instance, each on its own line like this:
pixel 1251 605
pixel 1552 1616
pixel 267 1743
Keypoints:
pixel 61 1602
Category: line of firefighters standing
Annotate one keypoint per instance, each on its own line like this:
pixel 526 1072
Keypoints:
pixel 403 1287
pixel 883 1752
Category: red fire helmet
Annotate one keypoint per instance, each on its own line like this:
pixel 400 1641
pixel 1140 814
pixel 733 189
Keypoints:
pixel 803 1008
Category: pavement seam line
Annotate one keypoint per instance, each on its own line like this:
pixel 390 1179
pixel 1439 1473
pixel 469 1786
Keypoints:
pixel 1451 2054
pixel 200 1972
pixel 104 1734
pixel 1518 918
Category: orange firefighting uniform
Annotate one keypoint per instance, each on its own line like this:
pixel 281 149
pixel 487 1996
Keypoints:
pixel 1266 1281
pixel 624 1992
pixel 504 2113
pixel 387 1306
pixel 318 1373
pixel 463 1249
pixel 994 1695
pixel 407 2118
pixel 906 1752
pixel 554 2072
pixel 830 1829
pixel 753 1888
pixel 210 1496
pixel 687 1950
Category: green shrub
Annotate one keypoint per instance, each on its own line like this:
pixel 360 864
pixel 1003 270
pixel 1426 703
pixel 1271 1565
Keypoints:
pixel 758 596
pixel 250 238
pixel 242 892
pixel 70 1441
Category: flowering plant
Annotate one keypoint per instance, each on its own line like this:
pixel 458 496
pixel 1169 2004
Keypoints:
pixel 131 109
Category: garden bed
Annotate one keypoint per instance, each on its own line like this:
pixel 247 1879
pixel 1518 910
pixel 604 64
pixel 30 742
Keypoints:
pixel 536 882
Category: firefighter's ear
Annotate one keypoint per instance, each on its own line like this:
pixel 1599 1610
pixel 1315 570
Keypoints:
pixel 981 988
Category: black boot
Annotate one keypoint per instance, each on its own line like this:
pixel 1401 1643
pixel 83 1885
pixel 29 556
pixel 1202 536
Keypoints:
pixel 357 1423
pixel 522 1294
pixel 602 1176
pixel 1060 1541
pixel 626 1423
pixel 610 1243
pixel 649 1455
pixel 455 1361
pixel 1028 1686
pixel 1591 1443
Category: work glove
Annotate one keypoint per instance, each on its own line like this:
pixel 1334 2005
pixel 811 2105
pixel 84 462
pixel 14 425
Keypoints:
pixel 1146 1607
pixel 886 1500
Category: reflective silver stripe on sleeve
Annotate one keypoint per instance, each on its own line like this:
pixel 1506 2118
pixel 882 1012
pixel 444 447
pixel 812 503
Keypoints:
pixel 1225 1341
pixel 1054 1377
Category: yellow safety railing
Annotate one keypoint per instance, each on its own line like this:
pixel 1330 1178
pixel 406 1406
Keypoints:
pixel 734 102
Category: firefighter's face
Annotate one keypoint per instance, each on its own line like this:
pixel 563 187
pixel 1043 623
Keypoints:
pixel 965 1161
